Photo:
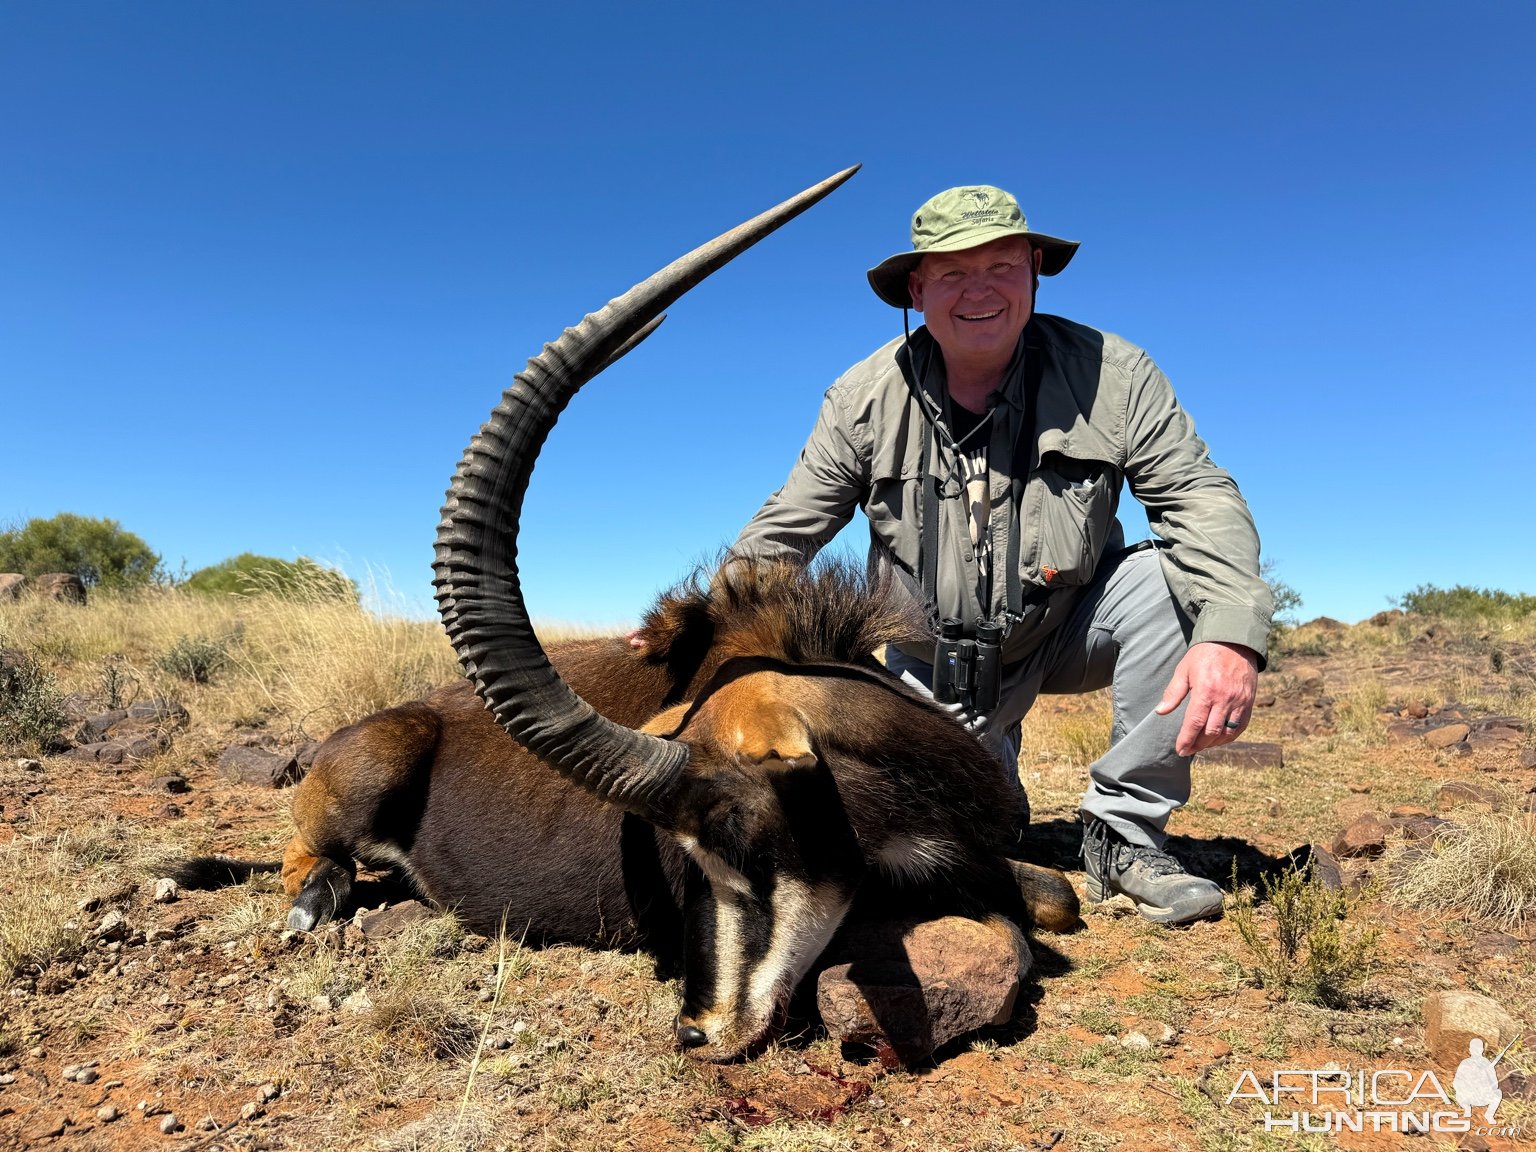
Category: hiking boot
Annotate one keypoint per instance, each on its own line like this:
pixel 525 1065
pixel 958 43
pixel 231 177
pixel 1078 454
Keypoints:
pixel 1157 883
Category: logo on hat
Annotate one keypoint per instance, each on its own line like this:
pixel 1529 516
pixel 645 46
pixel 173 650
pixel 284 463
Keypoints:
pixel 982 198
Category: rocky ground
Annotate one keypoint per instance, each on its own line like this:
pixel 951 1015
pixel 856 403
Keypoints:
pixel 142 1016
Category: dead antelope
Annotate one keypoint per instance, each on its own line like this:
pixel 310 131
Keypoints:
pixel 723 797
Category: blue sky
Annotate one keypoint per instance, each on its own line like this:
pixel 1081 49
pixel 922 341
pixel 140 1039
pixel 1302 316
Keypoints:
pixel 264 268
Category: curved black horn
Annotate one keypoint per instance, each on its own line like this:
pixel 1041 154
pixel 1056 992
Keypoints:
pixel 479 593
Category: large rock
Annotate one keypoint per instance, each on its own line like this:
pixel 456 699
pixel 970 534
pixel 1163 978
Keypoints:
pixel 1244 754
pixel 391 921
pixel 1452 1019
pixel 1459 792
pixel 1366 836
pixel 1447 735
pixel 258 767
pixel 12 585
pixel 64 586
pixel 909 987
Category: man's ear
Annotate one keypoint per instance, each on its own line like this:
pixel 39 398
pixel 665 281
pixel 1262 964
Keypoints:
pixel 915 290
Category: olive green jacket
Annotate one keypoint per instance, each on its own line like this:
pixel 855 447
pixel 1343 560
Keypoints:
pixel 1104 414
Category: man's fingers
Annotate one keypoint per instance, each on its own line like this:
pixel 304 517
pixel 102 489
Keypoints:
pixel 1174 694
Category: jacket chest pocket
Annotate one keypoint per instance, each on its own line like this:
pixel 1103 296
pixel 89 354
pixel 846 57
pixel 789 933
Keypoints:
pixel 1073 505
pixel 894 507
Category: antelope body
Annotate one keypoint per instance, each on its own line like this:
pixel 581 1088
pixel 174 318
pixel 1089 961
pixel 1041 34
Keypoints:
pixel 725 795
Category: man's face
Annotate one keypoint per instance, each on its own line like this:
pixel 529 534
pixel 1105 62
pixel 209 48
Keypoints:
pixel 977 301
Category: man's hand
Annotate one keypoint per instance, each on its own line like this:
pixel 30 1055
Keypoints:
pixel 1220 681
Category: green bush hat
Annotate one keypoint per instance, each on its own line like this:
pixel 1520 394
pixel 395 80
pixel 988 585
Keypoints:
pixel 961 218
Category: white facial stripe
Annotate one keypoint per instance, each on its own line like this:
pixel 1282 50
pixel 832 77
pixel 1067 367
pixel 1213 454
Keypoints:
pixel 804 919
pixel 729 961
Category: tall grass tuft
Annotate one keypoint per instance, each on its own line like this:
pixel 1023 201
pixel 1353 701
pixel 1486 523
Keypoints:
pixel 1484 869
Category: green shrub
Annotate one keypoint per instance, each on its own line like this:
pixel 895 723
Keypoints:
pixel 1463 602
pixel 1317 956
pixel 251 575
pixel 195 658
pixel 100 552
pixel 31 710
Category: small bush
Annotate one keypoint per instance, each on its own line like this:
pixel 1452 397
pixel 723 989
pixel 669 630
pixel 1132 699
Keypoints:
pixel 251 575
pixel 1465 603
pixel 31 709
pixel 1317 956
pixel 195 658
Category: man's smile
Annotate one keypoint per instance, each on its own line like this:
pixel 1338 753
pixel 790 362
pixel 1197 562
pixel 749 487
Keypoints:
pixel 975 317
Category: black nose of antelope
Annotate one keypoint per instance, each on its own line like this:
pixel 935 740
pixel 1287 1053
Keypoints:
pixel 690 1037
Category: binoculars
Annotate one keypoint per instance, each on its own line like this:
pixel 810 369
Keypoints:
pixel 968 672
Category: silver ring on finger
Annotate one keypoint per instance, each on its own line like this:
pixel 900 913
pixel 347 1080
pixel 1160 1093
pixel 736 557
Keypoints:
pixel 1233 724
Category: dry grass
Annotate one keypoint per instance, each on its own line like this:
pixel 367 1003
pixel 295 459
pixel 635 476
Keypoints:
pixel 1072 738
pixel 1483 869
pixel 38 920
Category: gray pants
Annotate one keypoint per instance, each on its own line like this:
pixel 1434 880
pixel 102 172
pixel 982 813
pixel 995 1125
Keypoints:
pixel 1128 634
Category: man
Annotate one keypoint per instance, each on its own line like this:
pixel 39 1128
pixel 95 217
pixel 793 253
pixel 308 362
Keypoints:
pixel 987 449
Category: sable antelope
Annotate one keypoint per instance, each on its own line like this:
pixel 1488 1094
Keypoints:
pixel 723 796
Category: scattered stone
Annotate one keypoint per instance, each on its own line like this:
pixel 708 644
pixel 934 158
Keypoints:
pixel 159 711
pixel 95 728
pixel 358 1002
pixel 106 752
pixel 1447 735
pixel 113 926
pixel 1360 789
pixel 250 1110
pixel 1407 811
pixel 1267 700
pixel 1168 1035
pixel 175 784
pixel 257 767
pixel 1274 808
pixel 268 1093
pixel 1244 754
pixel 26 764
pixel 1217 806
pixel 1528 758
pixel 1135 1040
pixel 1366 836
pixel 910 987
pixel 87 1076
pixel 207 1124
pixel 1415 711
pixel 1324 865
pixel 169 1123
pixel 304 754
pixel 12 585
pixel 391 921
pixel 1453 1019
pixel 1424 829
pixel 166 891
pixel 107 1113
pixel 65 586
pixel 1459 792
pixel 1308 678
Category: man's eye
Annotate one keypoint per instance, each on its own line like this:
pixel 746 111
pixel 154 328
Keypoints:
pixel 1002 268
pixel 953 276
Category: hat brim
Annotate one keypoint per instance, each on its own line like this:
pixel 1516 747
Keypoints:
pixel 889 277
